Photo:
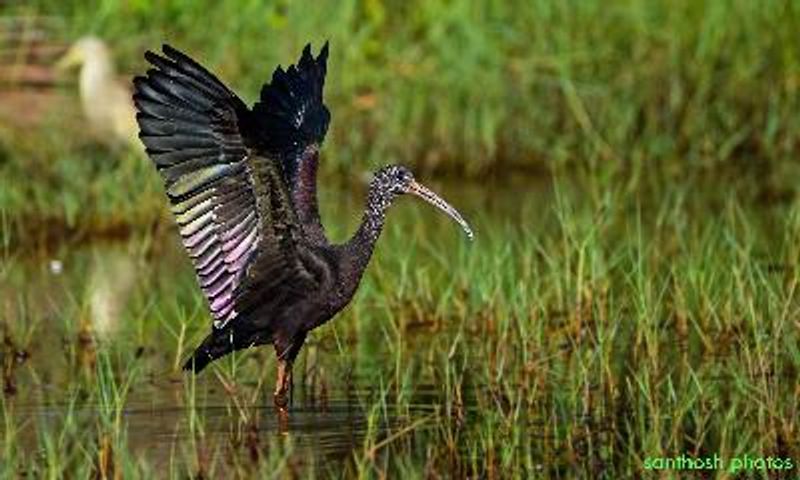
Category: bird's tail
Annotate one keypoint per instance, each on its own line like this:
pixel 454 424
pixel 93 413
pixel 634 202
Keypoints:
pixel 212 348
pixel 218 344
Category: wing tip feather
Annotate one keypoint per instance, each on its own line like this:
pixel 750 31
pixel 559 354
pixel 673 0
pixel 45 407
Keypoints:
pixel 291 111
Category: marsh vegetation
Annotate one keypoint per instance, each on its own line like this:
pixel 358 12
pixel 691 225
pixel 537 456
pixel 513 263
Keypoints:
pixel 630 172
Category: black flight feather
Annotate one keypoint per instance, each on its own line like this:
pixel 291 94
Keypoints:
pixel 291 114
pixel 227 195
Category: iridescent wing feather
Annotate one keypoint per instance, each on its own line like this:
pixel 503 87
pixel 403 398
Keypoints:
pixel 291 121
pixel 291 116
pixel 228 198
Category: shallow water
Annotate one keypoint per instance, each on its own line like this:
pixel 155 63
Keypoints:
pixel 69 312
pixel 44 381
pixel 155 428
pixel 525 349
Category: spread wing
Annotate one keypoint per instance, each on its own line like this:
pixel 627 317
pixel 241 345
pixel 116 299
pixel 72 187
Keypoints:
pixel 230 201
pixel 291 115
pixel 292 120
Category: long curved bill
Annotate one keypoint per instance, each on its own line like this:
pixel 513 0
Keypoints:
pixel 424 193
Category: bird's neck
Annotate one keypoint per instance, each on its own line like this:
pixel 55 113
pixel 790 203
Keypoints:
pixel 358 250
pixel 372 220
pixel 96 74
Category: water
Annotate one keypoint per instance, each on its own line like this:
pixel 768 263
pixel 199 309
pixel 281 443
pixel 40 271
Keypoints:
pixel 520 350
pixel 96 331
pixel 82 303
pixel 156 423
pixel 51 375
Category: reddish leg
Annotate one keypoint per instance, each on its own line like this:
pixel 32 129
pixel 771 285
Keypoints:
pixel 286 353
pixel 283 385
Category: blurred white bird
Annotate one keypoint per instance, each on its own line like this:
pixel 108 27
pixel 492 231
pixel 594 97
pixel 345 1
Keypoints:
pixel 107 102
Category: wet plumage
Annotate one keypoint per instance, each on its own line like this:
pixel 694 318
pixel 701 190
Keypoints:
pixel 242 186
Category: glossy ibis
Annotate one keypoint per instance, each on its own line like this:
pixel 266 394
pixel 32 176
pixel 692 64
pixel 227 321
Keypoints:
pixel 242 184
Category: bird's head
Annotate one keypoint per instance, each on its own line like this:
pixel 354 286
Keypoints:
pixel 395 180
pixel 82 51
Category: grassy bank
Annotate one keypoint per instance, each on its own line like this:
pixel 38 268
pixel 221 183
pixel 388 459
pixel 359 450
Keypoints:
pixel 637 93
pixel 635 298
pixel 469 88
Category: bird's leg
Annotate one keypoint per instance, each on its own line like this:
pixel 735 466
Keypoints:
pixel 286 352
pixel 283 384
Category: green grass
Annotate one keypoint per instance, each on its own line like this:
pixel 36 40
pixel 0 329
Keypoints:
pixel 470 88
pixel 636 92
pixel 637 299
pixel 597 333
pixel 528 84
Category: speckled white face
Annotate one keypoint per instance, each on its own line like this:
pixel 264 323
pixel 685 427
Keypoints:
pixel 396 180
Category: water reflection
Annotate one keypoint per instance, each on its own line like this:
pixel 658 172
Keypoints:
pixel 318 433
pixel 112 278
pixel 143 312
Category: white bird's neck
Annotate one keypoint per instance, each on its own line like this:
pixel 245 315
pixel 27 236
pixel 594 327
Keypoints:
pixel 96 74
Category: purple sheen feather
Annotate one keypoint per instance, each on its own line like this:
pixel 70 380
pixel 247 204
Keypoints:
pixel 228 245
pixel 240 249
pixel 240 227
pixel 199 250
pixel 222 302
pixel 192 240
pixel 215 290
pixel 238 265
pixel 196 224
pixel 203 261
pixel 212 267
pixel 213 276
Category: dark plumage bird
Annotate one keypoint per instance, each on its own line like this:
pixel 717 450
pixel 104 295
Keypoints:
pixel 242 184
